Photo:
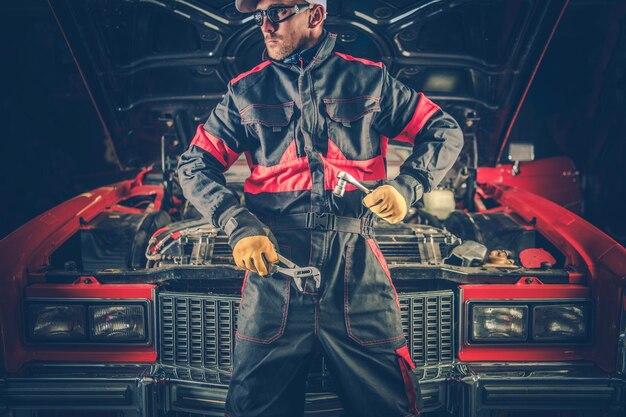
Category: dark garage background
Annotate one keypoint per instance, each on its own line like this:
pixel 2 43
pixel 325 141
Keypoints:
pixel 53 146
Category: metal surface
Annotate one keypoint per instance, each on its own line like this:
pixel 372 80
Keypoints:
pixel 554 178
pixel 343 179
pixel 482 389
pixel 297 273
pixel 56 390
pixel 197 331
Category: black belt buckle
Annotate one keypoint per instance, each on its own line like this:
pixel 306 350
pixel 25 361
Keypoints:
pixel 323 221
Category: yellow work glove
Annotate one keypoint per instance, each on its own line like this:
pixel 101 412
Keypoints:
pixel 255 253
pixel 387 203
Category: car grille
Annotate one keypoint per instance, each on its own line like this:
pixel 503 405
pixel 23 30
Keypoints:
pixel 427 321
pixel 197 331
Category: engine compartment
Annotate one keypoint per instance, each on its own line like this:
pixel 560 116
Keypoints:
pixel 132 242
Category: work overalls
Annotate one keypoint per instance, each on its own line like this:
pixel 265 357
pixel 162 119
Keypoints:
pixel 298 126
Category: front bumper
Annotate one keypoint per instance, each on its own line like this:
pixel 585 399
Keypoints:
pixel 481 389
pixel 122 390
pixel 468 390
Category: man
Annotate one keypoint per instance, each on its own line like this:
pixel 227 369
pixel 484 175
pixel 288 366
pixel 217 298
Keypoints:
pixel 305 113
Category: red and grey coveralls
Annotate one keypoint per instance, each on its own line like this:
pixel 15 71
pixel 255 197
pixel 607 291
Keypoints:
pixel 298 126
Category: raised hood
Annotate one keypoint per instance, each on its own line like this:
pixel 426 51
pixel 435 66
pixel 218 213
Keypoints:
pixel 156 68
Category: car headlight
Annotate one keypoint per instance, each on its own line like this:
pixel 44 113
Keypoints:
pixel 62 323
pixel 118 322
pixel 560 322
pixel 87 322
pixel 499 323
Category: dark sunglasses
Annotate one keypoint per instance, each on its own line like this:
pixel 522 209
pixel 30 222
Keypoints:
pixel 278 14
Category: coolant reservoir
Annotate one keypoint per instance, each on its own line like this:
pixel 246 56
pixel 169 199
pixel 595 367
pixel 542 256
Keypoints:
pixel 439 203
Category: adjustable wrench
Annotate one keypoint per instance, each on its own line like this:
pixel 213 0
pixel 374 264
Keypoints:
pixel 297 273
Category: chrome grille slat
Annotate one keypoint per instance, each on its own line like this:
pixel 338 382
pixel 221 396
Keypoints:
pixel 197 331
pixel 427 323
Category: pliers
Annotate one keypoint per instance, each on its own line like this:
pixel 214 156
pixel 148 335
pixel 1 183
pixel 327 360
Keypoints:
pixel 297 273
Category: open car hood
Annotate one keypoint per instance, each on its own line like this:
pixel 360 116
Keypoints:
pixel 156 68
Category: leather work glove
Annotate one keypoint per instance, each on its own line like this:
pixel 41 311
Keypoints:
pixel 255 253
pixel 387 203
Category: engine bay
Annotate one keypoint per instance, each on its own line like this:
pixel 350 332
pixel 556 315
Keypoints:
pixel 132 242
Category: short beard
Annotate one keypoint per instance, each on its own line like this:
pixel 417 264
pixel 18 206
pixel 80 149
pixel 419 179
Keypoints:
pixel 284 50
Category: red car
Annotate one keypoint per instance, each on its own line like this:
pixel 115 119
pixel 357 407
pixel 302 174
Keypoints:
pixel 123 301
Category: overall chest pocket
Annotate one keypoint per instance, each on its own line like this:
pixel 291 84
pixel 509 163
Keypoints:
pixel 272 125
pixel 349 123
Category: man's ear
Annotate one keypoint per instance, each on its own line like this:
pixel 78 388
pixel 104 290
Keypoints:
pixel 317 16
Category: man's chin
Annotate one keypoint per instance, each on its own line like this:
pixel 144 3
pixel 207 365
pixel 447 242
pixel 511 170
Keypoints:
pixel 277 53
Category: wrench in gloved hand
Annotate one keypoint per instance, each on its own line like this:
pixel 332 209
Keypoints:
pixel 343 179
pixel 297 273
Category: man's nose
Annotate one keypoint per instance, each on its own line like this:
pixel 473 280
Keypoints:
pixel 267 26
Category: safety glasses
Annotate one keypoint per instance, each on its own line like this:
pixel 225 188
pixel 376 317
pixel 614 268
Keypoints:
pixel 278 14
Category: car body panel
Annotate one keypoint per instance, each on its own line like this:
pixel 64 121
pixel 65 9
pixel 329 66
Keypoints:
pixel 27 250
pixel 553 178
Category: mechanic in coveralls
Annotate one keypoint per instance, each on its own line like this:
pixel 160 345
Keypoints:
pixel 302 115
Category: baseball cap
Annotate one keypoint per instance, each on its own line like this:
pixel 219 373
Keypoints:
pixel 248 6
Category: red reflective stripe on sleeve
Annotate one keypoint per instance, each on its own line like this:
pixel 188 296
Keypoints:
pixel 424 111
pixel 293 175
pixel 361 60
pixel 215 146
pixel 253 70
